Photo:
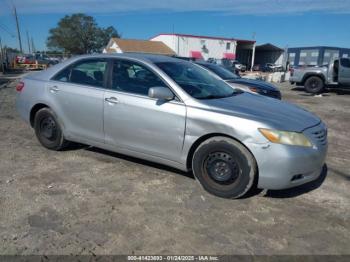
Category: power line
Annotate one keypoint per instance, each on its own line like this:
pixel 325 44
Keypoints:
pixel 4 25
pixel 6 30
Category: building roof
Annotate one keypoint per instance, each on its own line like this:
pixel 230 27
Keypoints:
pixel 141 46
pixel 319 47
pixel 268 47
pixel 209 37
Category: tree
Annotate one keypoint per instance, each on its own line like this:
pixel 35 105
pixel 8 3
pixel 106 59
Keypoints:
pixel 79 34
pixel 11 50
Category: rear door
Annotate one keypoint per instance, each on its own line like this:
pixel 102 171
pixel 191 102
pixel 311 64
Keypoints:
pixel 344 71
pixel 77 95
pixel 137 122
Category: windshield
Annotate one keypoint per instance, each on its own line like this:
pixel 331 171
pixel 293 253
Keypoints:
pixel 196 81
pixel 221 71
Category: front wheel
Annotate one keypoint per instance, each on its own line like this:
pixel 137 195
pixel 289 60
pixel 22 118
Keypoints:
pixel 314 85
pixel 48 130
pixel 224 167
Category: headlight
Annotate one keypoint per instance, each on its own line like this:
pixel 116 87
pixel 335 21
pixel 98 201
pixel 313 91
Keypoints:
pixel 253 89
pixel 284 137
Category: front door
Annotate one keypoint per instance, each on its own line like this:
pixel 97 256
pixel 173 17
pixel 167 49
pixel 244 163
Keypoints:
pixel 344 72
pixel 134 121
pixel 77 94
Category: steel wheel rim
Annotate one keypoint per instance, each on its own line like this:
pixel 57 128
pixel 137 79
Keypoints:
pixel 48 128
pixel 222 168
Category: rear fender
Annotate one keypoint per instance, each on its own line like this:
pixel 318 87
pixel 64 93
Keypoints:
pixel 307 75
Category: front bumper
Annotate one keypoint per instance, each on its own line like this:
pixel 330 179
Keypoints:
pixel 284 166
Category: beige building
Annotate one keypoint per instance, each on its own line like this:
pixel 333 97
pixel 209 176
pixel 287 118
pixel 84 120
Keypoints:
pixel 118 45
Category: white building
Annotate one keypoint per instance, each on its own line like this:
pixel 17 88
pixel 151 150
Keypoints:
pixel 204 47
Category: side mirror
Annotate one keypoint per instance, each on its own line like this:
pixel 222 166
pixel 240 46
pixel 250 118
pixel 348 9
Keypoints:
pixel 162 93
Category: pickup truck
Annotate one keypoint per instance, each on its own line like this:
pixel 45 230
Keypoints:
pixel 316 79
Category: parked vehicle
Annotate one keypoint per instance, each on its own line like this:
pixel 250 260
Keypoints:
pixel 316 79
pixel 35 58
pixel 238 65
pixel 249 85
pixel 175 113
pixel 256 67
pixel 231 65
pixel 272 68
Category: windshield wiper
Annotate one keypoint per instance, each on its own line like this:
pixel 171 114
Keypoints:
pixel 220 96
pixel 211 97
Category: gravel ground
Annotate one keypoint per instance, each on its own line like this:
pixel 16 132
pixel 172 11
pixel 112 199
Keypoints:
pixel 90 201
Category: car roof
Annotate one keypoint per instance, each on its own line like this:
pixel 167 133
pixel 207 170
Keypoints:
pixel 148 58
pixel 153 58
pixel 204 63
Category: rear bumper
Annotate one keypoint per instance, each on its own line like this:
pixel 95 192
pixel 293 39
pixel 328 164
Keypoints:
pixel 22 108
pixel 293 79
pixel 283 166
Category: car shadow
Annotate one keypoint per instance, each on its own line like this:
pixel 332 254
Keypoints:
pixel 298 88
pixel 139 161
pixel 299 190
pixel 345 176
pixel 286 193
pixel 326 92
pixel 341 92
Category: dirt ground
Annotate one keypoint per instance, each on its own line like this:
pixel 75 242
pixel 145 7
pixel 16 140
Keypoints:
pixel 90 201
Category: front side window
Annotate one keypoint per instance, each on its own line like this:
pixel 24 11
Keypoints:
pixel 330 55
pixel 88 72
pixel 133 78
pixel 196 81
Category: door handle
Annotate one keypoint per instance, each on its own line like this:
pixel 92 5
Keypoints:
pixel 54 89
pixel 112 100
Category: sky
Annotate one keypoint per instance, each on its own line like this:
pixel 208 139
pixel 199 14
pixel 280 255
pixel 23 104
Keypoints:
pixel 285 23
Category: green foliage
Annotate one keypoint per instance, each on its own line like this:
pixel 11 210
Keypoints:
pixel 11 50
pixel 79 34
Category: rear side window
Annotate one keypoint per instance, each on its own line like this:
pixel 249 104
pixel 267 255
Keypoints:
pixel 131 77
pixel 87 72
pixel 345 62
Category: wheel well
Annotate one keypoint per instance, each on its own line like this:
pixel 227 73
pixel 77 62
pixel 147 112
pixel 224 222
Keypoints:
pixel 310 75
pixel 33 112
pixel 201 140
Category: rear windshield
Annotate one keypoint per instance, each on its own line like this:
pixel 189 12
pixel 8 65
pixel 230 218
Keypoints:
pixel 220 71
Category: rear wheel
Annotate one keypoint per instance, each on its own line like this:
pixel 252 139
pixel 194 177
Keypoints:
pixel 314 85
pixel 224 167
pixel 48 130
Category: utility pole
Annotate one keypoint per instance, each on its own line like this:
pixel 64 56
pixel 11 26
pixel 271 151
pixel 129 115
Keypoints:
pixel 18 31
pixel 2 58
pixel 29 49
pixel 253 52
pixel 33 47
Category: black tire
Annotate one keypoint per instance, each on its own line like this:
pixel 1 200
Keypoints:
pixel 224 167
pixel 48 130
pixel 314 85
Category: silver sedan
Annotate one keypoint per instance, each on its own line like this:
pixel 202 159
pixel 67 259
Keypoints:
pixel 175 113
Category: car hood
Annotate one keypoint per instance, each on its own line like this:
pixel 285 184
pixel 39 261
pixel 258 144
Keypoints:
pixel 254 83
pixel 271 112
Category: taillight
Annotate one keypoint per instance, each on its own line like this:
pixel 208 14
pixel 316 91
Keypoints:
pixel 19 86
pixel 291 71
